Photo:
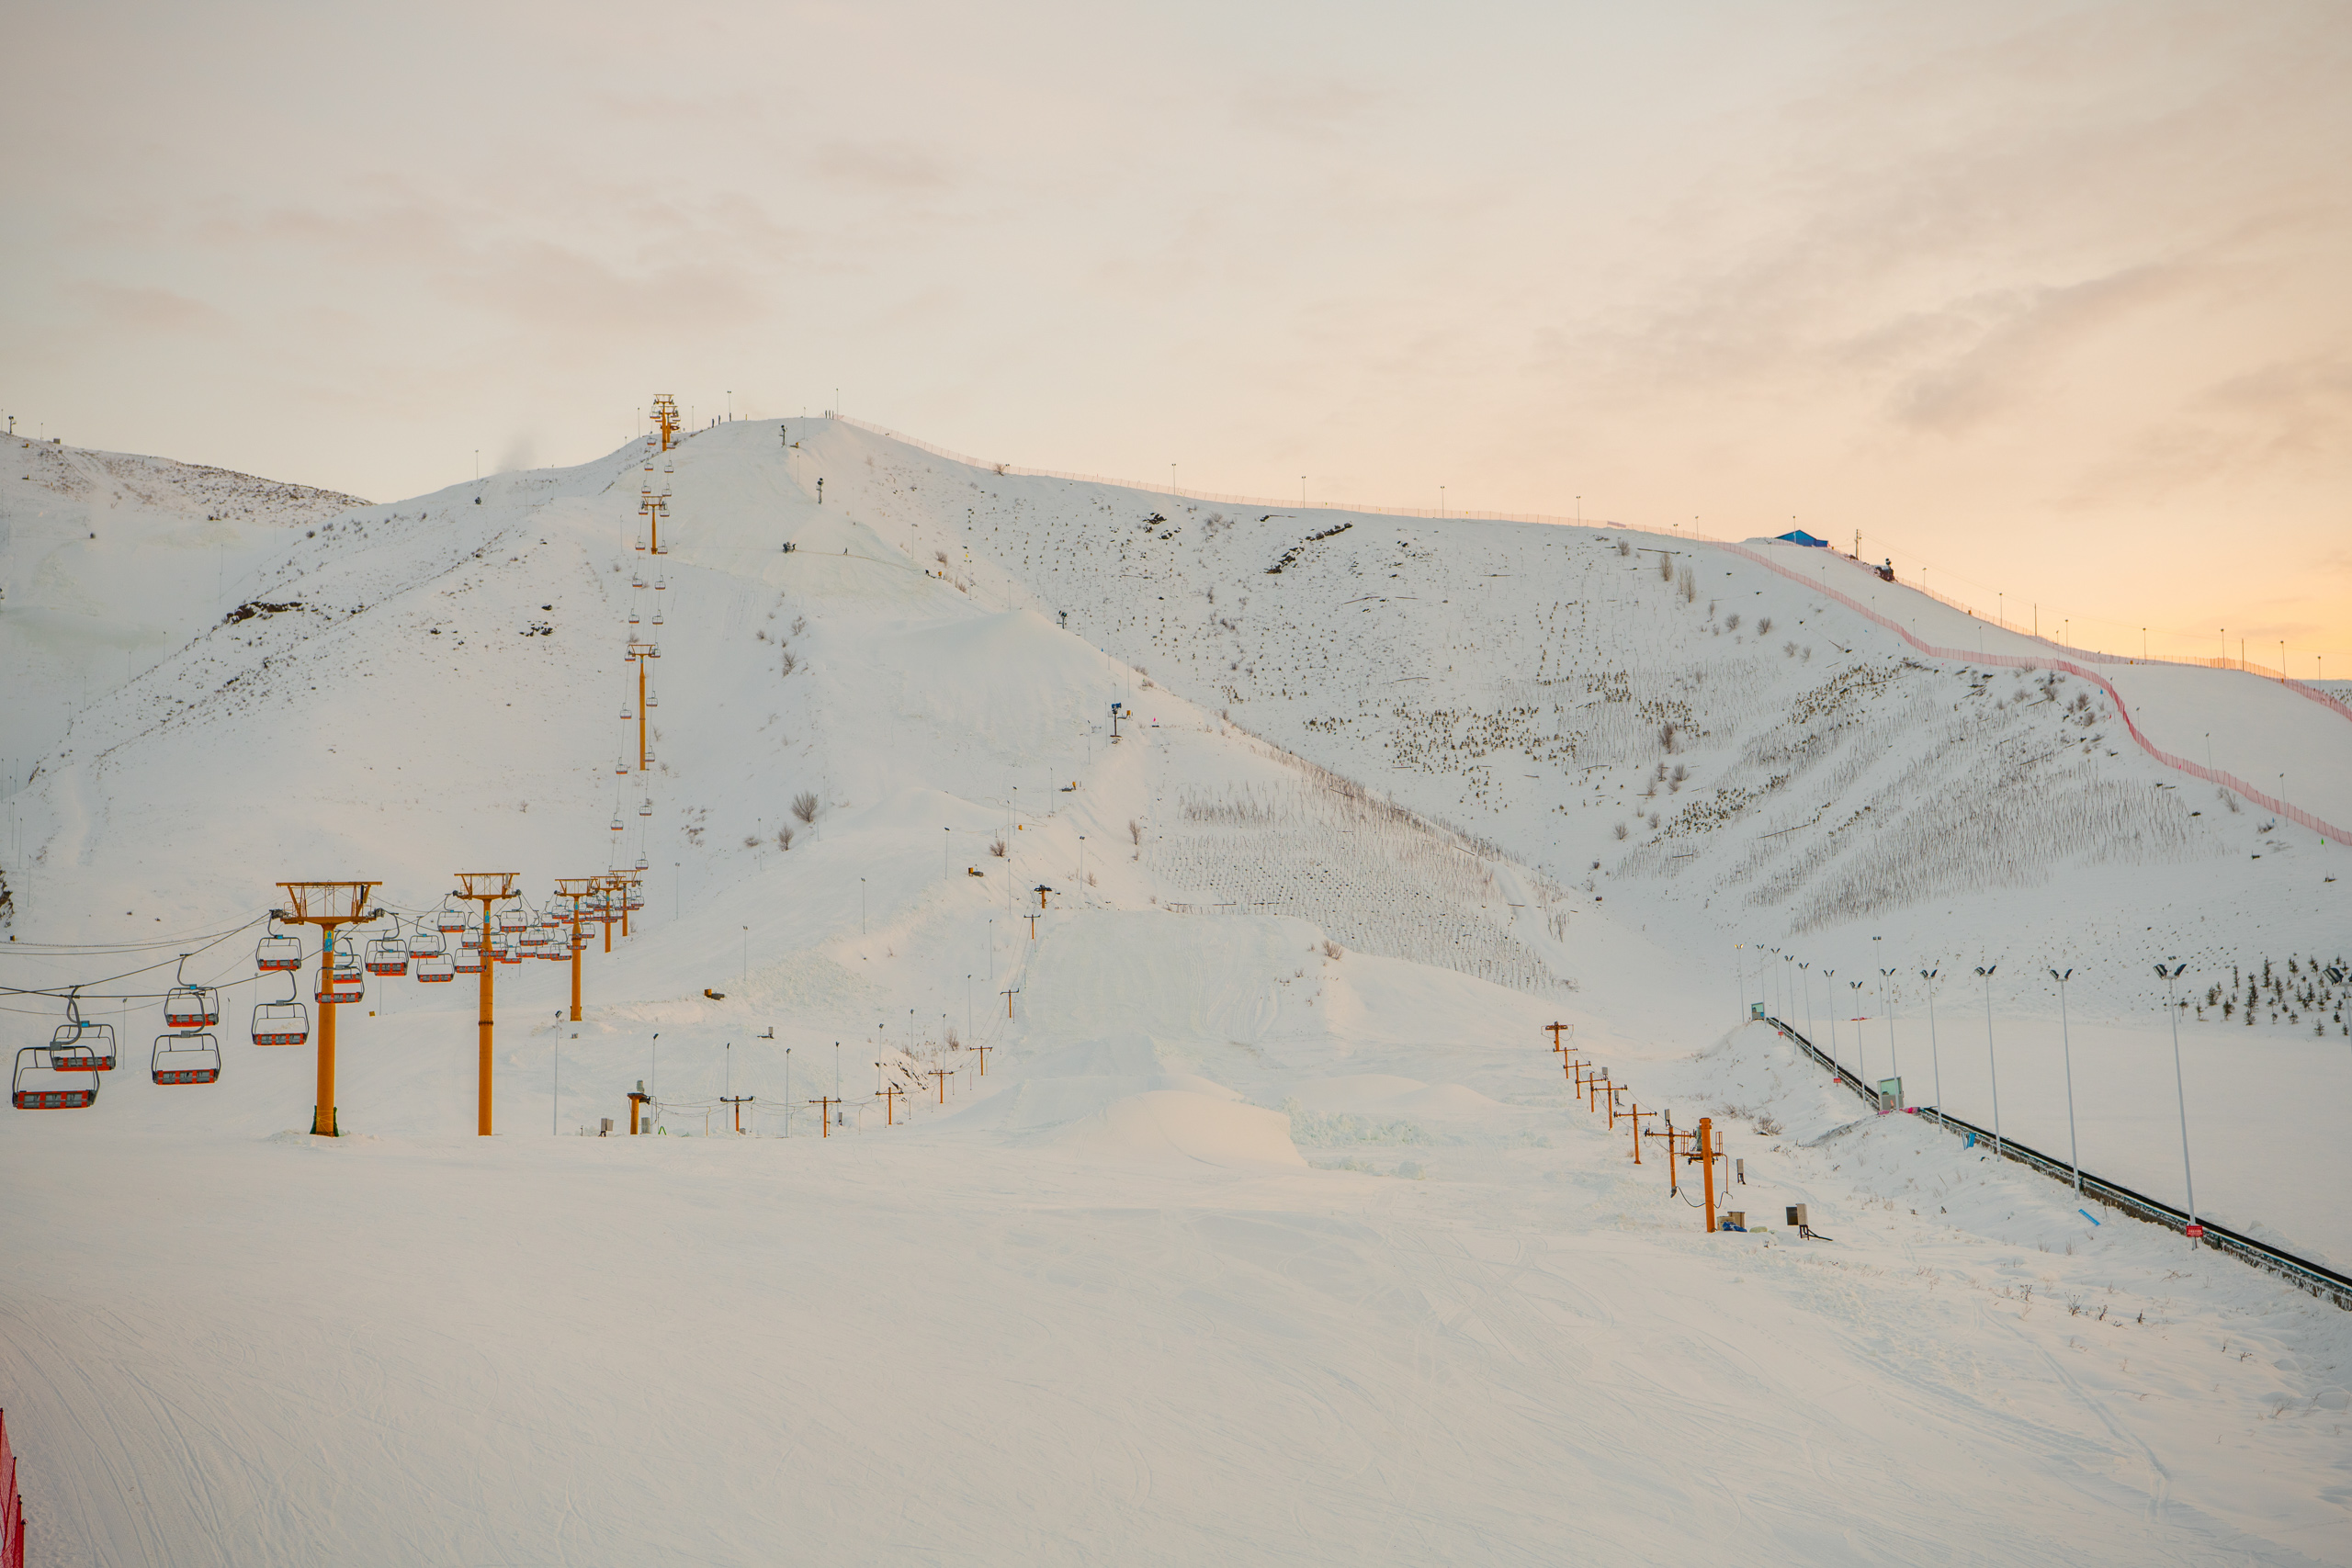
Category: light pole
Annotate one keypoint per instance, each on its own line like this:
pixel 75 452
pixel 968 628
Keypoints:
pixel 747 956
pixel 2066 1047
pixel 1928 979
pixel 2196 1231
pixel 860 906
pixel 1805 980
pixel 1861 1049
pixel 1986 971
pixel 1787 958
pixel 1827 975
pixel 653 1069
pixel 1893 1056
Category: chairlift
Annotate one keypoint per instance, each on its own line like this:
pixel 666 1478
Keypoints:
pixel 657 605
pixel 632 621
pixel 278 952
pixel 281 1023
pixel 535 937
pixel 620 767
pixel 185 1056
pixel 470 961
pixel 342 984
pixel 427 944
pixel 616 824
pixel 646 810
pixel 513 920
pixel 640 865
pixel 191 1007
pixel 452 918
pixel 508 950
pixel 52 1078
pixel 387 955
pixel 470 940
pixel 434 968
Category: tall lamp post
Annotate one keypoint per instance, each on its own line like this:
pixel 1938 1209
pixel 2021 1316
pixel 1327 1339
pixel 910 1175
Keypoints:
pixel 1831 1006
pixel 1934 1055
pixel 2196 1231
pixel 1893 1056
pixel 2067 1046
pixel 1985 971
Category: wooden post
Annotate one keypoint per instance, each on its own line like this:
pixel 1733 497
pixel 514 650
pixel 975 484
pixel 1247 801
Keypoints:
pixel 826 1102
pixel 1707 1159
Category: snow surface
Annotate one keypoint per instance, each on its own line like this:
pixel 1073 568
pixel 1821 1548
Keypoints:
pixel 1273 1231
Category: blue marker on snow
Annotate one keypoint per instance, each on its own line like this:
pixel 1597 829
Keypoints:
pixel 2088 1215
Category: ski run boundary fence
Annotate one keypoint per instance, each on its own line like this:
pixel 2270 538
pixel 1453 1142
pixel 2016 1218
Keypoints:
pixel 2179 764
pixel 12 1506
pixel 2302 1273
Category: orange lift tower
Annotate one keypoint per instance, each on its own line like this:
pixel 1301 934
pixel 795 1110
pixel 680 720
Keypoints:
pixel 665 414
pixel 327 905
pixel 485 887
pixel 573 890
pixel 639 653
pixel 653 507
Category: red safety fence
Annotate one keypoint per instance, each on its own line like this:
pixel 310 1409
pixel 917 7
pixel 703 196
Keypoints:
pixel 2180 764
pixel 12 1507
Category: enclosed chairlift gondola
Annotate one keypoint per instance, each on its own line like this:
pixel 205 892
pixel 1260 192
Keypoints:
pixel 185 1056
pixel 54 1077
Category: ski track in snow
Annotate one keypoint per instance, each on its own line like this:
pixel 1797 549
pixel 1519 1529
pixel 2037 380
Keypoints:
pixel 1273 1231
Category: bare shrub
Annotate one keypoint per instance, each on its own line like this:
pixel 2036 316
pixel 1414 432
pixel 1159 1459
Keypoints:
pixel 1731 622
pixel 939 555
pixel 790 663
pixel 799 625
pixel 1623 548
pixel 1764 626
pixel 996 848
pixel 1134 830
pixel 1665 567
pixel 750 841
pixel 1331 949
pixel 1620 830
pixel 783 837
pixel 1689 584
pixel 803 806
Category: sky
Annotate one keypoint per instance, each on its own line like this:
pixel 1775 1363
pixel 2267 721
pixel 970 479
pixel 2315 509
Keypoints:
pixel 2047 301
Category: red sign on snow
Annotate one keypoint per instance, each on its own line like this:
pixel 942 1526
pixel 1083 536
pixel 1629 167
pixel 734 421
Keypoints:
pixel 2195 1232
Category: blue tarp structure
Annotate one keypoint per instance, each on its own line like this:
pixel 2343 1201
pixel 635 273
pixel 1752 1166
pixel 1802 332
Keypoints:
pixel 1801 537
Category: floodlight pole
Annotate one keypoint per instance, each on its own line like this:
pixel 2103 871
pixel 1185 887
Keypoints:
pixel 1992 1060
pixel 485 887
pixel 2067 1046
pixel 1893 1057
pixel 2180 1088
pixel 323 1117
pixel 1933 1054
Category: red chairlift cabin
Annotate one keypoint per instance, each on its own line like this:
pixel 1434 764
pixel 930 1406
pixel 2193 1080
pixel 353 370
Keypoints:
pixel 434 968
pixel 281 1023
pixel 39 1085
pixel 470 961
pixel 343 985
pixel 93 1044
pixel 192 1006
pixel 427 944
pixel 278 952
pixel 452 918
pixel 188 1056
pixel 387 955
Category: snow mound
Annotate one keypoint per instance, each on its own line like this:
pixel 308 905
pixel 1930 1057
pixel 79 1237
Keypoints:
pixel 1168 1124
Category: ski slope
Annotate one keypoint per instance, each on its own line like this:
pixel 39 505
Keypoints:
pixel 1272 1230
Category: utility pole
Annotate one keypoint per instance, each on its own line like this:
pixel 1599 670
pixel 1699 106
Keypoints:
pixel 825 1103
pixel 328 905
pixel 984 1051
pixel 941 1075
pixel 888 1094
pixel 485 887
pixel 1008 994
pixel 738 1101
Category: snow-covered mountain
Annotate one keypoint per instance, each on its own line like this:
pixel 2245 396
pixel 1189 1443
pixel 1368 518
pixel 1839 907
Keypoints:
pixel 1274 1230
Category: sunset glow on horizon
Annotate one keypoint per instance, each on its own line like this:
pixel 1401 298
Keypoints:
pixel 2047 302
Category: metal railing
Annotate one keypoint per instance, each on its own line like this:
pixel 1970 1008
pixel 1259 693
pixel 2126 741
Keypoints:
pixel 2320 1281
